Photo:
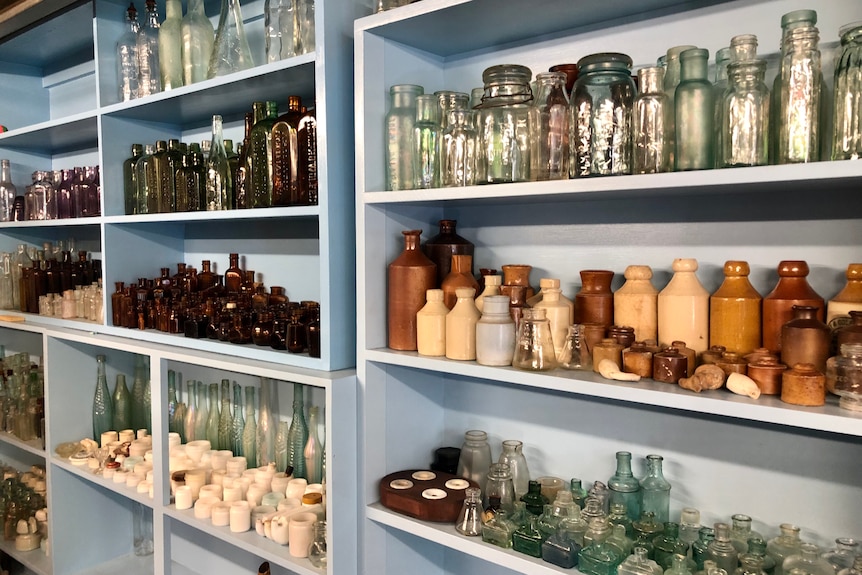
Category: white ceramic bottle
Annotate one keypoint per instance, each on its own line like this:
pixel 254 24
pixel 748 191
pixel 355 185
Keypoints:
pixel 683 308
pixel 461 326
pixel 431 324
pixel 495 332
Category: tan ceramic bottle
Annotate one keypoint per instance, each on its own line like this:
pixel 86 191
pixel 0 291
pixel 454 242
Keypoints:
pixel 848 299
pixel 431 325
pixel 492 287
pixel 636 303
pixel 557 313
pixel 552 283
pixel 683 308
pixel 461 326
pixel 459 276
pixel 734 311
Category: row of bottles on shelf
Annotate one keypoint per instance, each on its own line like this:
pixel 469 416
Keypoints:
pixel 22 396
pixel 23 507
pixel 230 307
pixel 123 410
pixel 591 118
pixel 276 165
pixel 180 50
pixel 509 323
pixel 53 195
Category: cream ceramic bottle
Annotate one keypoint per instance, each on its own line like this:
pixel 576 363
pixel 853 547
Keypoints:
pixel 636 303
pixel 492 287
pixel 495 333
pixel 461 326
pixel 431 324
pixel 848 299
pixel 558 316
pixel 552 283
pixel 683 308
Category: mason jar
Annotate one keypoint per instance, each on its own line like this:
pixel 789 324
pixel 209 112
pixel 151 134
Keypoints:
pixel 600 124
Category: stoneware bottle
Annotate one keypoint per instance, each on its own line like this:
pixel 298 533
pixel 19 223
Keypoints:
pixel 636 303
pixel 805 339
pixel 495 333
pixel 492 287
pixel 431 325
pixel 557 313
pixel 803 385
pixel 734 311
pixel 552 283
pixel 411 275
pixel 459 276
pixel 683 308
pixel 444 245
pixel 461 326
pixel 595 302
pixel 766 373
pixel 848 299
pixel 792 289
pixel 517 275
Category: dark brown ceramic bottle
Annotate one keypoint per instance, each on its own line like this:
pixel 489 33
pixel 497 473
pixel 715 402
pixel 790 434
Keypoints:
pixel 792 289
pixel 595 302
pixel 805 339
pixel 443 246
pixel 459 276
pixel 411 274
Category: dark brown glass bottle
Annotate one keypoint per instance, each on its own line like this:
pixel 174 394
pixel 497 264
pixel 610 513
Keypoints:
pixel 66 271
pixel 261 333
pixel 444 245
pixel 312 330
pixel 277 296
pixel 233 276
pixel 307 136
pixel 37 285
pixel 240 177
pixel 285 154
pixel 247 286
pixel 240 332
pixel 117 312
pixel 84 269
pixel 206 279
pixel 278 338
pixel 260 299
pixel 296 342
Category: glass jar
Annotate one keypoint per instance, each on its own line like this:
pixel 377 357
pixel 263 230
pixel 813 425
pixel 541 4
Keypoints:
pixel 458 150
pixel 694 114
pixel 499 488
pixel 807 560
pixel 719 87
pixel 317 549
pixel 534 350
pixel 504 125
pixel 513 456
pixel 799 98
pixel 847 114
pixel 549 129
pixel 600 125
pixel 652 115
pixel 426 132
pixel 844 376
pixel 475 459
pixel 399 135
pixel 745 116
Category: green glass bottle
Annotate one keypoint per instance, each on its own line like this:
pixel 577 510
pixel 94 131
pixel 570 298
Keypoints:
pixel 534 499
pixel 285 153
pixel 130 182
pixel 260 155
pixel 499 530
pixel 213 417
pixel 139 391
pixel 218 183
pixel 598 559
pixel 700 548
pixel 249 431
pixel 237 422
pixel 757 546
pixel 191 415
pixel 240 177
pixel 579 494
pixel 184 184
pixel 694 113
pixel 159 198
pixel 103 407
pixel 224 419
pixel 668 544
pixel 297 435
pixel 655 489
pixel 203 411
pixel 528 539
pixel 197 42
pixel 645 530
pixel 618 516
pixel 122 405
pixel 172 400
pixel 624 487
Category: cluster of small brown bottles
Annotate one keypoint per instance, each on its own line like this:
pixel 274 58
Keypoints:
pixel 48 275
pixel 231 307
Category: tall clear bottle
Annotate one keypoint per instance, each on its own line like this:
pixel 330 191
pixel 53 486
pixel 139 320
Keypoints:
pixel 224 419
pixel 399 135
pixel 651 124
pixel 655 490
pixel 694 114
pixel 122 405
pixel 303 35
pixel 313 448
pixel 426 133
pixel 249 430
pixel 171 46
pixel 260 155
pixel 203 411
pixel 6 279
pixel 198 37
pixel 173 403
pixel 278 18
pixel 237 422
pixel 128 66
pixel 458 150
pixel 21 262
pixel 297 435
pixel 191 412
pixel 103 407
pixel 230 51
pixel 148 53
pixel 671 81
pixel 744 128
pixel 213 416
pixel 266 423
pixel 549 128
pixel 218 184
pixel 8 191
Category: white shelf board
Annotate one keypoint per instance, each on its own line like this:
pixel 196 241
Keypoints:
pixel 68 133
pixel 40 322
pixel 208 216
pixel 52 224
pixel 33 446
pixel 35 560
pixel 44 45
pixel 445 534
pixel 87 474
pixel 750 180
pixel 248 541
pixel 126 564
pixel 766 409
pixel 448 27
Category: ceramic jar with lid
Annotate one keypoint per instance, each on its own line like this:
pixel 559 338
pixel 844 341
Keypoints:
pixel 607 349
pixel 683 308
pixel 712 355
pixel 594 303
pixel 732 362
pixel 734 311
pixel 805 339
pixel 669 366
pixel 792 289
pixel 411 275
pixel 803 385
pixel 636 303
pixel 690 356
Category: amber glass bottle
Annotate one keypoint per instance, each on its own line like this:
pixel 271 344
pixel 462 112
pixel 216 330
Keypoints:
pixel 233 276
pixel 285 154
pixel 307 136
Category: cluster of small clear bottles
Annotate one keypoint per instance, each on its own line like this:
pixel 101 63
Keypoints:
pixel 231 307
pixel 22 391
pixel 603 123
pixel 53 195
pixel 49 282
pixel 155 55
pixel 23 506
pixel 622 527
pixel 276 165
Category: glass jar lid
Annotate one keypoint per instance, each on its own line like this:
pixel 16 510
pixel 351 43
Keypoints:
pixel 797 17
pixel 614 61
pixel 507 74
pixel 852 31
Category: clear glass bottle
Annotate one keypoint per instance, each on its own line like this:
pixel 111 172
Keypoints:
pixel 651 117
pixel 499 488
pixel 122 401
pixel 475 459
pixel 127 57
pixel 426 133
pixel 624 487
pixel 260 158
pixel 668 544
pixel 744 125
pixel 171 46
pixel 191 414
pixel 513 456
pixel 719 89
pixel 8 191
pixel 230 49
pixel 6 279
pixel 203 411
pixel 278 23
pixel 534 350
pixel 655 489
pixel 575 354
pixel 149 81
pixel 807 560
pixel 846 112
pixel 741 532
pixel 555 512
pixel 213 416
pixel 281 447
pixel 297 435
pixel 844 376
pixel 173 402
pixel 757 547
pixel 638 563
pixel 313 448
pixel 399 135
pixel 700 548
pixel 142 530
pixel 689 524
pixel 303 35
pixel 680 565
pixel 266 427
pixel 498 531
pixel 218 184
pixel 198 38
pixel 856 569
pixel 786 544
pixel 317 551
pixel 600 125
pixel 672 68
pixel 617 515
pixel 842 555
pixel 721 550
pixel 469 521
pixel 224 417
pixel 574 525
pixel 549 125
pixel 103 407
pixel 249 430
pixel 140 385
pixel 799 97
pixel 458 143
pixel 694 114
pixel 504 125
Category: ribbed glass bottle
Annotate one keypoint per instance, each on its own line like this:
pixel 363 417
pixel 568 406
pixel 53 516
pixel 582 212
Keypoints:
pixel 297 435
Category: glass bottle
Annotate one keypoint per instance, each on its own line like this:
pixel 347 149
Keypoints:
pixel 575 354
pixel 285 153
pixel 172 401
pixel 122 405
pixel 689 524
pixel 856 569
pixel 844 375
pixel 399 136
pixel 498 531
pixel 426 133
pixel 799 97
pixel 307 191
pixel 441 248
pixel 786 544
pixel 807 560
pixel 127 57
pixel 672 67
pixel 313 448
pixel 261 159
pixel 700 548
pixel 304 31
pixel 741 532
pixel 599 494
pixel 574 525
pixel 652 116
pixel 843 554
pixel 560 550
pixel 237 423
pixel 145 179
pixel 281 447
pixel 655 489
pixel 230 48
pixel 554 513
pixel 475 458
pixel 534 499
pixel 513 456
pixel 668 544
pixel 559 318
pixel 241 183
pixel 680 565
pixel 142 530
pixel 638 563
pixel 317 552
pixel 218 184
pixel 6 283
pixel 600 530
pixel 598 559
pixel 504 125
pixel 163 200
pixel 527 539
pixel 103 407
pixel 757 548
pixel 694 114
pixel 297 436
pixel 8 191
pixel 719 88
pixel 249 430
pixel 266 427
pixel 535 348
pixel 224 419
pixel 617 515
pixel 213 416
pixel 458 143
pixel 171 46
pixel 130 183
pixel 198 37
pixel 744 125
pixel 149 79
pixel 191 414
pixel 499 492
pixel 846 113
pixel 203 411
pixel 600 125
pixel 721 550
pixel 625 489
pixel 139 411
pixel 549 125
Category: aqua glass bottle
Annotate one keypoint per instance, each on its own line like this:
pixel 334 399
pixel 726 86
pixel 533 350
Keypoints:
pixel 598 559
pixel 498 531
pixel 719 87
pixel 260 157
pixel 198 37
pixel 741 532
pixel 218 183
pixel 230 50
pixel 127 57
pixel 267 423
pixel 680 565
pixel 624 487
pixel 646 529
pixel 619 540
pixel 513 456
pixel 281 447
pixel 757 546
pixel 103 407
pixel 721 550
pixel 786 544
pixel 313 448
pixel 237 422
pixel 172 401
pixel 203 411
pixel 297 435
pixel 426 133
pixel 213 416
pixel 122 405
pixel 574 525
pixel 668 544
pixel 191 412
pixel 617 515
pixel 700 548
pixel 672 68
pixel 656 489
pixel 399 136
pixel 694 114
pixel 527 539
pixel 170 46
pixel 149 79
pixel 224 417
pixel 579 494
pixel 138 396
pixel 249 431
pixel 639 564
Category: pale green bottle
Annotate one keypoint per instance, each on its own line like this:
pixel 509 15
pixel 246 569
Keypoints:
pixel 694 114
pixel 213 417
pixel 198 37
pixel 281 447
pixel 680 565
pixel 313 448
pixel 173 402
pixel 191 415
pixel 170 46
pixel 624 487
pixel 297 436
pixel 139 419
pixel 203 412
pixel 237 422
pixel 224 417
pixel 103 407
pixel 260 157
pixel 122 405
pixel 249 431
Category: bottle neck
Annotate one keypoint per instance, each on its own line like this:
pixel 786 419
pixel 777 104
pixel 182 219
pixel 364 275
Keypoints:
pixel 173 9
pixel 693 69
pixel 5 171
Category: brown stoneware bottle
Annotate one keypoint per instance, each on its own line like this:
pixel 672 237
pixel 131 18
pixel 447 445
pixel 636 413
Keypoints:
pixel 792 289
pixel 443 246
pixel 459 276
pixel 595 302
pixel 411 274
pixel 734 311
pixel 805 339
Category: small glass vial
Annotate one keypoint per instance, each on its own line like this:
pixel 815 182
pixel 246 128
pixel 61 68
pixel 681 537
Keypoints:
pixel 495 333
pixel 745 116
pixel 426 132
pixel 694 114
pixel 469 521
pixel 652 114
pixel 575 354
pixel 535 348
pixel 317 549
pixel 549 128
